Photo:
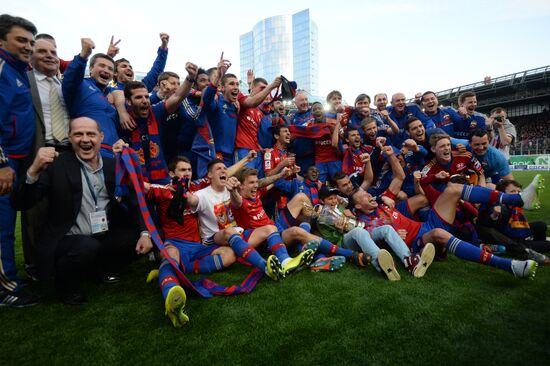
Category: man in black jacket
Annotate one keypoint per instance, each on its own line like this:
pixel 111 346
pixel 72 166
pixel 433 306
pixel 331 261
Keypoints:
pixel 88 232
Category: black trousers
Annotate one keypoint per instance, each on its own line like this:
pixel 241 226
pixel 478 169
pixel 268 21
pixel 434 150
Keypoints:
pixel 82 256
pixel 516 247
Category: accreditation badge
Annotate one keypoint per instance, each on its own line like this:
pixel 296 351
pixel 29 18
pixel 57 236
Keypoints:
pixel 98 220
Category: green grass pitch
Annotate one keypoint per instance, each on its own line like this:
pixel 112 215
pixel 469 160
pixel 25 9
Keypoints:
pixel 459 313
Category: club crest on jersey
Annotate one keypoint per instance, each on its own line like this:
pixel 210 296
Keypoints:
pixel 154 149
pixel 446 117
pixel 473 125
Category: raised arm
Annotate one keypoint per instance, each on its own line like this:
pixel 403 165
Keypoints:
pixel 73 76
pixel 233 185
pixel 397 170
pixel 264 182
pixel 256 99
pixel 394 128
pixel 233 169
pixel 150 80
pixel 336 132
pixel 181 93
pixel 368 176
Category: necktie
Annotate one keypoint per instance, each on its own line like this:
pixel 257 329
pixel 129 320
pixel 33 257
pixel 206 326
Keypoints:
pixel 57 115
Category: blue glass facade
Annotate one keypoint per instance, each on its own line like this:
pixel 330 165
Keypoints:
pixel 283 45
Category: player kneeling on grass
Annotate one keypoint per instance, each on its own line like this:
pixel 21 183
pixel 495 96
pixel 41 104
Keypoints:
pixel 359 238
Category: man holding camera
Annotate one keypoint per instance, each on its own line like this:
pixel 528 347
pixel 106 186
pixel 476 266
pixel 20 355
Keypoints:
pixel 503 133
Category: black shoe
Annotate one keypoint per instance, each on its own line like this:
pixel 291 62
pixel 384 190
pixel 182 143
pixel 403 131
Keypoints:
pixel 31 273
pixel 74 298
pixel 20 299
pixel 110 279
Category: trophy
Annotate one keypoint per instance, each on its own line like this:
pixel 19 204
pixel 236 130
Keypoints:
pixel 327 215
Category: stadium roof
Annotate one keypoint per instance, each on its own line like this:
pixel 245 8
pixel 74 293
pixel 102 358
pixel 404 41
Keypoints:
pixel 531 84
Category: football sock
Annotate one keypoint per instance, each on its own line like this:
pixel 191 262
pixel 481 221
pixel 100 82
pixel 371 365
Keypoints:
pixel 276 246
pixel 327 247
pixel 167 277
pixel 245 251
pixel 475 194
pixel 306 226
pixel 472 253
pixel 208 264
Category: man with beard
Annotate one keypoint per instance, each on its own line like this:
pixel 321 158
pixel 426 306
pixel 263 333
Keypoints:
pixel 356 157
pixel 149 120
pixel 452 162
pixel 124 72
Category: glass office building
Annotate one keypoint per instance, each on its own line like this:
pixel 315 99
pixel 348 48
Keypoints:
pixel 283 45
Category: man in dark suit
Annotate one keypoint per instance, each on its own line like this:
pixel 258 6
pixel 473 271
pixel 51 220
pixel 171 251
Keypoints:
pixel 87 232
pixel 52 124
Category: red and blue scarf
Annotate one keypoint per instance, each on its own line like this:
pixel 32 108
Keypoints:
pixel 517 226
pixel 313 190
pixel 128 173
pixel 314 131
pixel 351 162
pixel 203 143
pixel 145 140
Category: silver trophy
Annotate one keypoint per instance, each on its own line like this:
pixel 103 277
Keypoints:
pixel 327 215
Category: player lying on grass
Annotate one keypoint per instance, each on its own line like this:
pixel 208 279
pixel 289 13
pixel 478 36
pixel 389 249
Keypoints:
pixel 437 229
pixel 359 238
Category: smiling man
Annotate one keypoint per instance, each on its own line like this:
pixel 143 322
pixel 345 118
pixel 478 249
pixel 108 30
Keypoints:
pixel 493 161
pixel 443 118
pixel 124 72
pixel 452 162
pixel 88 97
pixel 471 119
pixel 88 232
pixel 16 137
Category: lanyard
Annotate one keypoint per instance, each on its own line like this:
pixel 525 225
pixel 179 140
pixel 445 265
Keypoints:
pixel 90 186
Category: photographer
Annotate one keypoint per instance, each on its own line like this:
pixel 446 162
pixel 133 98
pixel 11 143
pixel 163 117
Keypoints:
pixel 502 132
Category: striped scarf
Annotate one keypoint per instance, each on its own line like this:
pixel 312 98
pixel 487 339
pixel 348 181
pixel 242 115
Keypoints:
pixel 313 190
pixel 145 140
pixel 203 143
pixel 517 226
pixel 127 173
pixel 314 131
pixel 351 162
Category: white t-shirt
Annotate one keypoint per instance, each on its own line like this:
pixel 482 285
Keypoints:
pixel 213 211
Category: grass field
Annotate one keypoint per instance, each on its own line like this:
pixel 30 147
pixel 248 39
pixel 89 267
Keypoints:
pixel 460 313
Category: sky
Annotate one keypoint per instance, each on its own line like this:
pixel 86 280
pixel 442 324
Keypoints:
pixel 365 46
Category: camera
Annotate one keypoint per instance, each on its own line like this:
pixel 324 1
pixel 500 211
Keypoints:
pixel 499 118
